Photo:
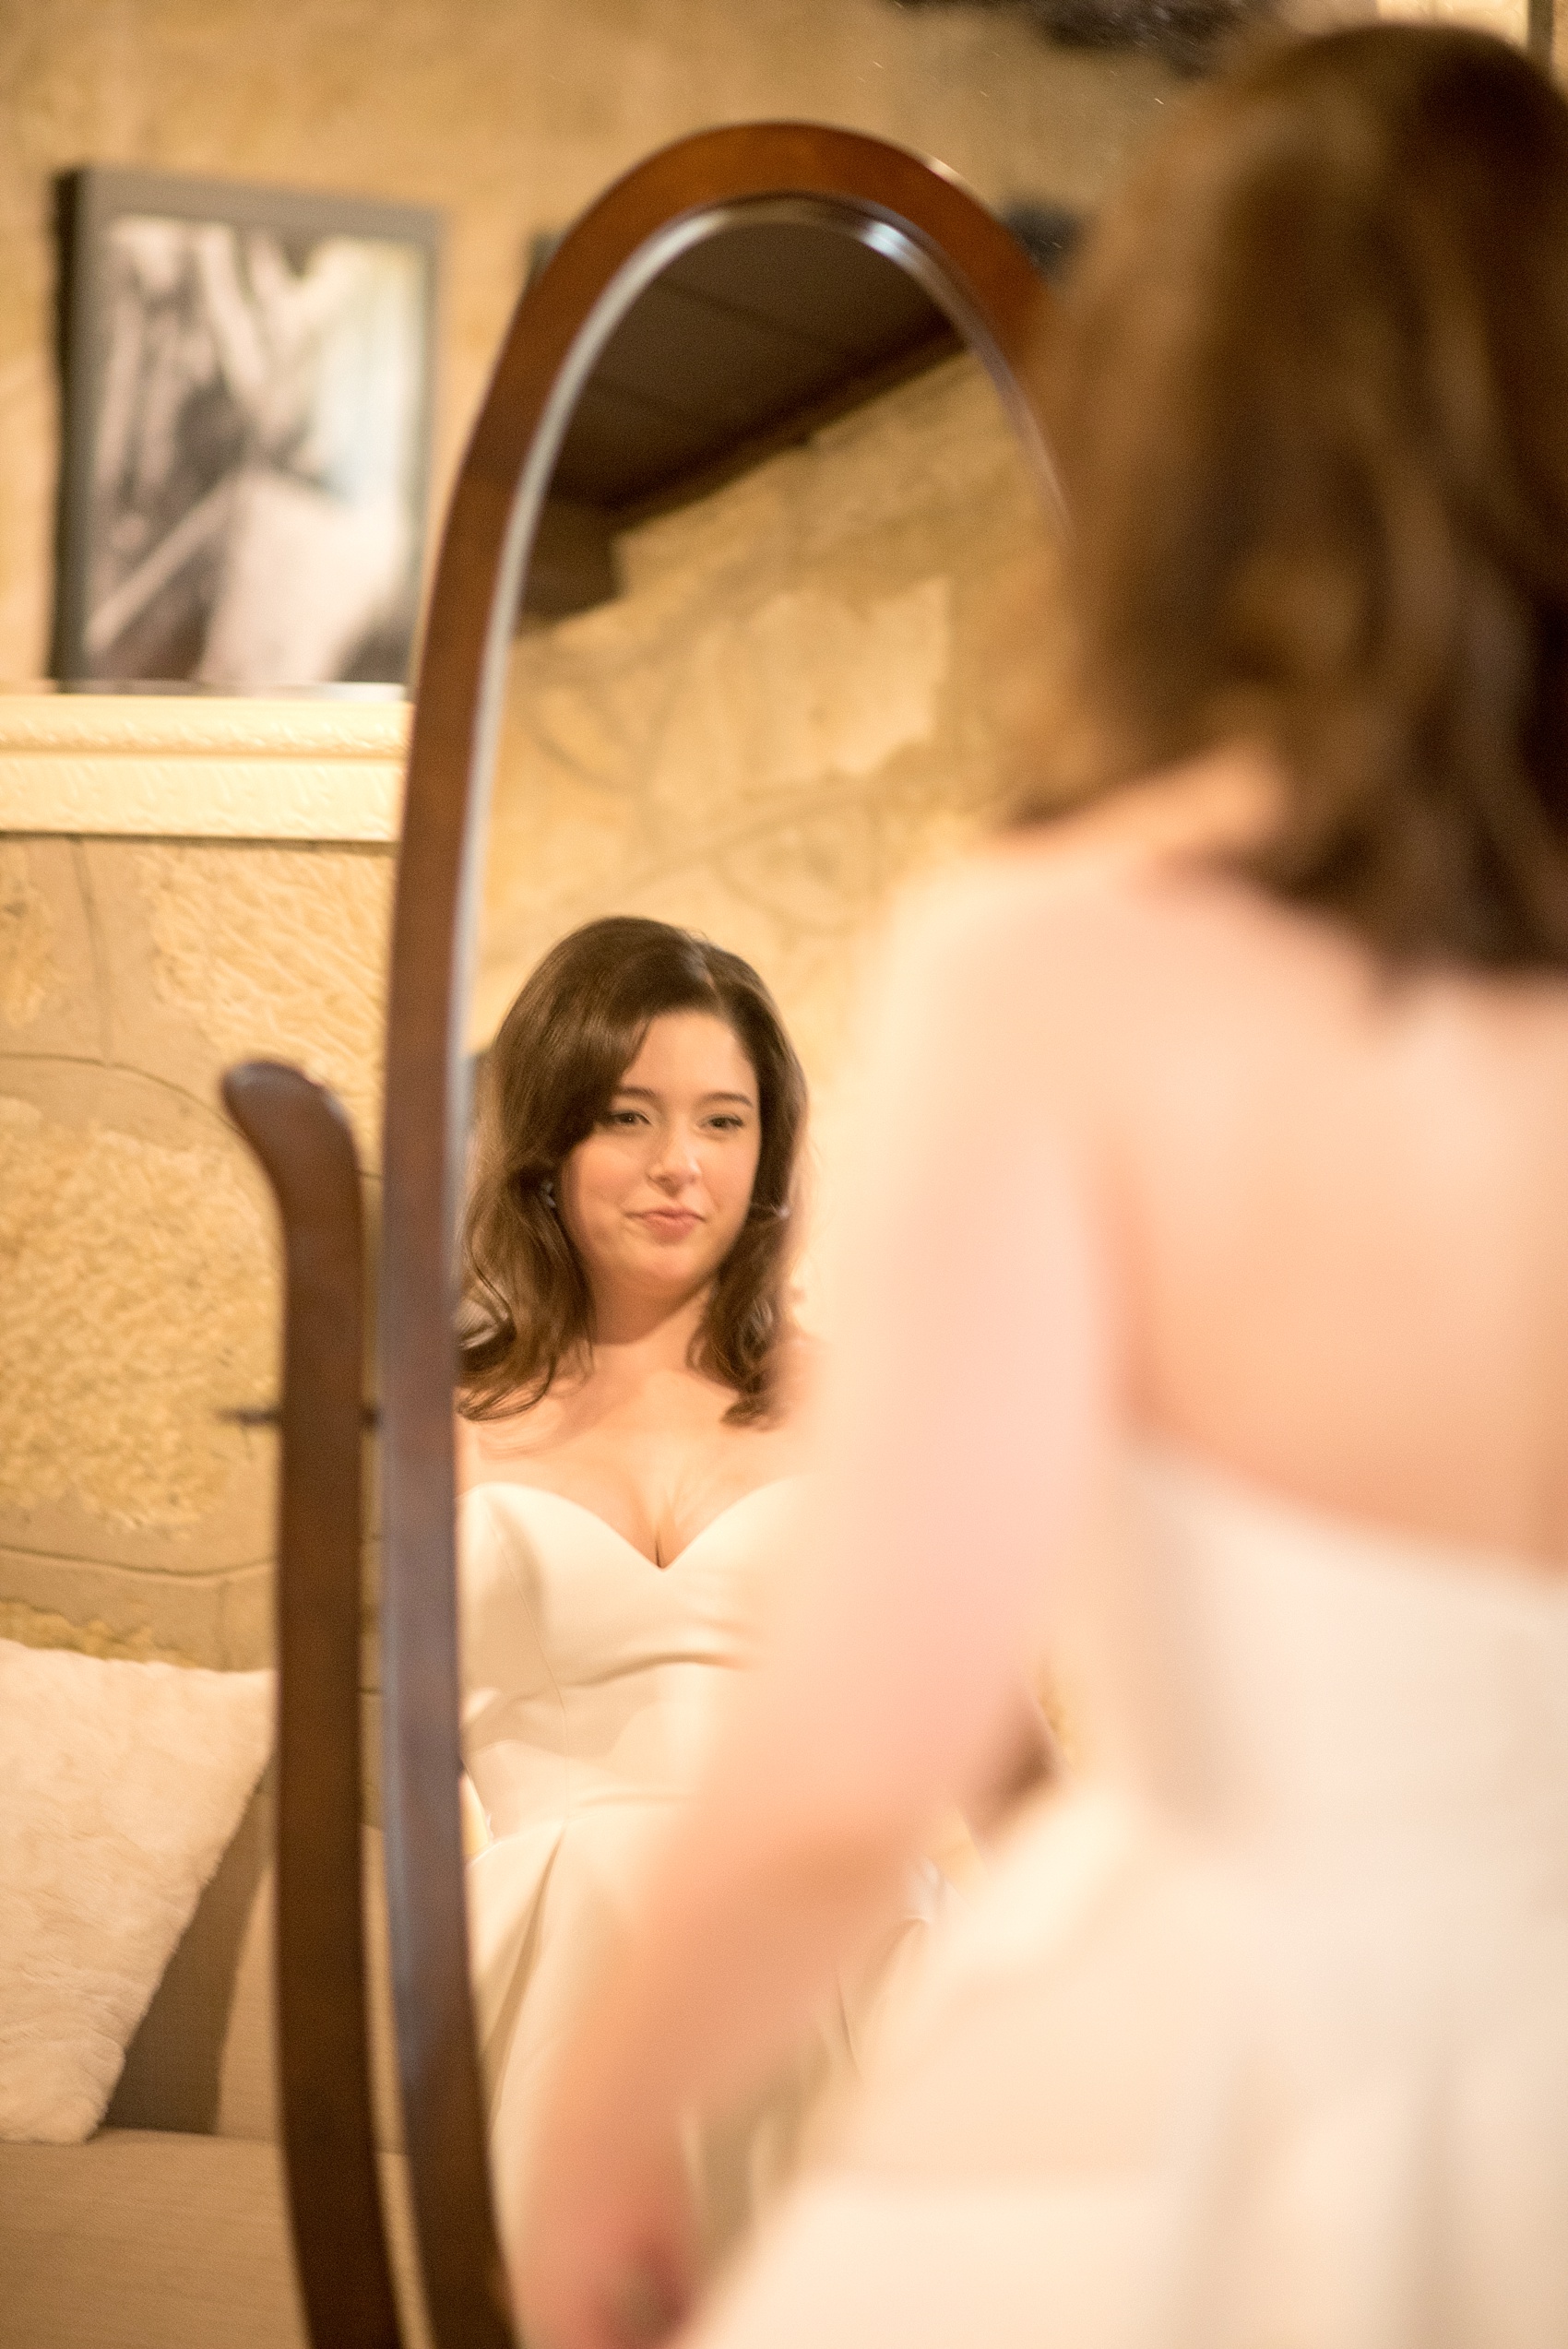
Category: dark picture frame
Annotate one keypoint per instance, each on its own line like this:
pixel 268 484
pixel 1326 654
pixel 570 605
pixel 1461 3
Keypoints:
pixel 248 377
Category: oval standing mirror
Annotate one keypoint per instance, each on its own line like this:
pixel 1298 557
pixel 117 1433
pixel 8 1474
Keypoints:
pixel 724 475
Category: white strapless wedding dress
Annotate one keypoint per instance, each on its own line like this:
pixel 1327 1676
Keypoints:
pixel 592 1682
pixel 1258 2038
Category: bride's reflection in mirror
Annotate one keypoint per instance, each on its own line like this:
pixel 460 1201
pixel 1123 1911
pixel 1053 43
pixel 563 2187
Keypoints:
pixel 631 1384
pixel 758 683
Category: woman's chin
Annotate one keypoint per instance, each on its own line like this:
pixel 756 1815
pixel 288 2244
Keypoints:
pixel 670 1269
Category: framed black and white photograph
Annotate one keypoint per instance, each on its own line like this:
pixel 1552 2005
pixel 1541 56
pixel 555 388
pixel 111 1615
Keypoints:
pixel 247 424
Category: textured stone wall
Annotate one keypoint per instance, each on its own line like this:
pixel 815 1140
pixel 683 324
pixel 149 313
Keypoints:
pixel 510 115
pixel 137 1248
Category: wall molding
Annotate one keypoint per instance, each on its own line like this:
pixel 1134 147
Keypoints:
pixel 167 766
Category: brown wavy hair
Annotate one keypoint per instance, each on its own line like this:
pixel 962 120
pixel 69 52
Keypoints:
pixel 1311 404
pixel 547 1080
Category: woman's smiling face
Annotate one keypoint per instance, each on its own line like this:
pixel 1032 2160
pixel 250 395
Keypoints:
pixel 654 1197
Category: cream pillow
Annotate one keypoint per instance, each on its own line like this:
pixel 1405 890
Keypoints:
pixel 120 1786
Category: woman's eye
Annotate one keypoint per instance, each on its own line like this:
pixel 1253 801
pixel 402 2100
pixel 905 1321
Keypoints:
pixel 625 1118
pixel 726 1123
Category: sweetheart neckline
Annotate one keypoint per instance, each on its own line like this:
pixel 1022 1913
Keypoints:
pixel 513 1484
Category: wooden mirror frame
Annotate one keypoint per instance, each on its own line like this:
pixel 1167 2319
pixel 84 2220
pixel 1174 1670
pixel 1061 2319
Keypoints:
pixel 976 272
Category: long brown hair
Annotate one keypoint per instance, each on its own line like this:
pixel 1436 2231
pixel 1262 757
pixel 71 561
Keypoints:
pixel 1311 408
pixel 547 1080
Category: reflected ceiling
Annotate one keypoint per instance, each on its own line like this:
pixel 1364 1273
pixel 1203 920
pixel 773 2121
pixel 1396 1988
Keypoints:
pixel 746 344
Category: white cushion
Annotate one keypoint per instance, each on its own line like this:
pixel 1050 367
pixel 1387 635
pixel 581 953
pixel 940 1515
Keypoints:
pixel 120 1786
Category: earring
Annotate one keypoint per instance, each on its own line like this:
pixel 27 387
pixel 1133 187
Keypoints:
pixel 547 1192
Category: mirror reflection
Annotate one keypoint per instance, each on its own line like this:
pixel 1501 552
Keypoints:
pixel 761 681
pixel 788 684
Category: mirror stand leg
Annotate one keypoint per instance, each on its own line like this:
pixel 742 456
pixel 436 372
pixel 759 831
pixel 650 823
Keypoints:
pixel 302 1138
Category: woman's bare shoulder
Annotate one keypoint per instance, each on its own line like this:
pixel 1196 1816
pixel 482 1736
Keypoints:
pixel 1130 854
pixel 498 1448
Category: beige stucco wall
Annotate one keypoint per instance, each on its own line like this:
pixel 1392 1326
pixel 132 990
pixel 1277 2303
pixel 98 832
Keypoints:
pixel 137 1244
pixel 510 115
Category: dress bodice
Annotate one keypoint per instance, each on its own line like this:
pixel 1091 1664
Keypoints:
pixel 591 1682
pixel 1320 1688
pixel 587 1671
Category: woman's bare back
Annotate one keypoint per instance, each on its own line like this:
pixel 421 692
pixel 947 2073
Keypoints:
pixel 1346 1198
pixel 1335 1199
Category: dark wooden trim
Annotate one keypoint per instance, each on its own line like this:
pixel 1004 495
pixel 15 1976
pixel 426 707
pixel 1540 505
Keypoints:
pixel 982 279
pixel 874 382
pixel 303 1140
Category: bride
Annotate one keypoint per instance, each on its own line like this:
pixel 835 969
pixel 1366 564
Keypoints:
pixel 628 1449
pixel 1207 1318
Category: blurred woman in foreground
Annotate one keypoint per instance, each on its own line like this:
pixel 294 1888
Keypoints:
pixel 1208 1319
